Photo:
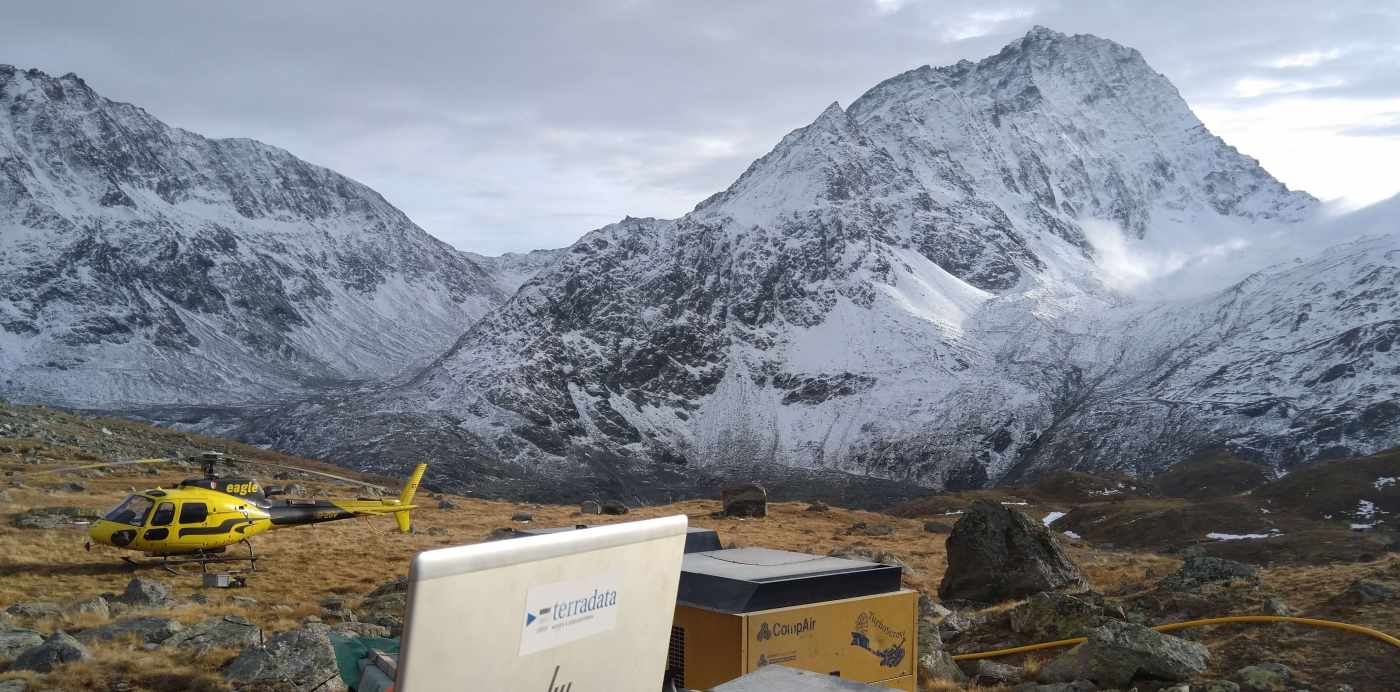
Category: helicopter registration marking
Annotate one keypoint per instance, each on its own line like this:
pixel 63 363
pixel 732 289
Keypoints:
pixel 241 488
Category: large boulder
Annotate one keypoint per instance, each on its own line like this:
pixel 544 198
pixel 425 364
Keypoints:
pixel 57 650
pixel 147 630
pixel 745 500
pixel 223 632
pixel 143 592
pixel 14 641
pixel 996 553
pixel 1119 652
pixel 1198 570
pixel 301 659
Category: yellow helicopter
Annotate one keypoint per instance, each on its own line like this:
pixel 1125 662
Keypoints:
pixel 196 521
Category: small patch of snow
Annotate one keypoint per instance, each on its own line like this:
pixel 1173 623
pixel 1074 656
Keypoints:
pixel 1383 481
pixel 1051 517
pixel 1073 535
pixel 109 432
pixel 1362 527
pixel 1365 509
pixel 952 514
pixel 1016 504
pixel 1242 536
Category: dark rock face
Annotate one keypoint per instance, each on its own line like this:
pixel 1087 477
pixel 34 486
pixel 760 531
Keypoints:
pixel 1119 652
pixel 997 553
pixel 57 650
pixel 747 500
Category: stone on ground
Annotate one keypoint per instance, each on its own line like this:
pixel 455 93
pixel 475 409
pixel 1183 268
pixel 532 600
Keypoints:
pixel 53 517
pixel 223 632
pixel 302 658
pixel 34 609
pixel 14 686
pixel 996 553
pixel 939 666
pixel 1366 592
pixel 590 507
pixel 1265 677
pixel 745 500
pixel 1050 615
pixel 143 592
pixel 1118 652
pixel 1201 569
pixel 57 650
pixel 385 605
pixel 1218 686
pixel 96 605
pixel 149 630
pixel 14 641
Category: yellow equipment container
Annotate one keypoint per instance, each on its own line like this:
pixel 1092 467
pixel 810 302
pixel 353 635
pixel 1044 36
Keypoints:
pixel 740 610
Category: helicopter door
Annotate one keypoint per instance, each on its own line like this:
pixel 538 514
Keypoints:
pixel 160 519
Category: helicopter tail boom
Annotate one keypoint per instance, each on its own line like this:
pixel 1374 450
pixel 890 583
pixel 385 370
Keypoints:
pixel 403 518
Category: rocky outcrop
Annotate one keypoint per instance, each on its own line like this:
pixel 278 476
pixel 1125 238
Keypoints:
pixel 1050 616
pixel 223 632
pixel 15 640
pixel 1198 570
pixel 996 553
pixel 144 592
pixel 148 630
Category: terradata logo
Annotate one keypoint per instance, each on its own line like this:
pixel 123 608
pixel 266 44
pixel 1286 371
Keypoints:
pixel 564 610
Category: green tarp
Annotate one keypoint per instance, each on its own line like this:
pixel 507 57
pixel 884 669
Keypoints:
pixel 349 651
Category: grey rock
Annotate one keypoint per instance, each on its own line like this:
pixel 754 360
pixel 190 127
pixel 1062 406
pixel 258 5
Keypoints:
pixel 53 517
pixel 1076 686
pixel 862 528
pixel 939 666
pixel 745 500
pixel 437 532
pixel 591 507
pixel 385 605
pixel 522 517
pixel 1366 592
pixel 150 630
pixel 615 508
pixel 930 609
pixel 1051 615
pixel 14 686
pixel 501 534
pixel 302 658
pixel 1218 686
pixel 362 629
pixel 1199 570
pixel 954 624
pixel 1118 652
pixel 96 605
pixel 34 609
pixel 818 506
pixel 58 649
pixel 14 641
pixel 243 601
pixel 996 553
pixel 993 673
pixel 1264 677
pixel 937 527
pixel 144 592
pixel 223 632
pixel 1277 606
pixel 447 504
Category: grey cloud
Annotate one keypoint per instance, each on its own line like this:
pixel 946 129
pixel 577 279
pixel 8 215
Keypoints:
pixel 502 125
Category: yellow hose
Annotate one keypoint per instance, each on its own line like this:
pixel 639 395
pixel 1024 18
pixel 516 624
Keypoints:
pixel 1358 629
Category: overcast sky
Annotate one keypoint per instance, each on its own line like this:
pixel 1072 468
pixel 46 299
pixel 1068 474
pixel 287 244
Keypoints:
pixel 506 126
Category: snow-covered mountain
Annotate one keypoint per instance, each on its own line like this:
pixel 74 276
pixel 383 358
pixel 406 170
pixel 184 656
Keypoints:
pixel 914 288
pixel 512 269
pixel 144 264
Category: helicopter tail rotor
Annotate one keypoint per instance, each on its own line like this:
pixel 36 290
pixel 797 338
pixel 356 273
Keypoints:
pixel 404 518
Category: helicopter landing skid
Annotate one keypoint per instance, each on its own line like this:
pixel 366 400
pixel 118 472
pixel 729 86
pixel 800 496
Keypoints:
pixel 175 564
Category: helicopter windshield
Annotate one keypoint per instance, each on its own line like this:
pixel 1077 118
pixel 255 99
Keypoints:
pixel 133 511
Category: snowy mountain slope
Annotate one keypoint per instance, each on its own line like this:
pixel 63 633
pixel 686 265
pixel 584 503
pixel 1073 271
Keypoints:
pixel 512 269
pixel 144 264
pixel 902 289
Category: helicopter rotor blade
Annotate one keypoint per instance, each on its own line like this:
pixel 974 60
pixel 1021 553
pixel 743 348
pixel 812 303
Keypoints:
pixel 91 466
pixel 318 473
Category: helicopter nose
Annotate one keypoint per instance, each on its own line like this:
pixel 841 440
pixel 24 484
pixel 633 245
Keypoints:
pixel 101 531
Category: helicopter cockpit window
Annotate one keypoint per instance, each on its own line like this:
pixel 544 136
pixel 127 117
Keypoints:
pixel 193 513
pixel 132 511
pixel 165 514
